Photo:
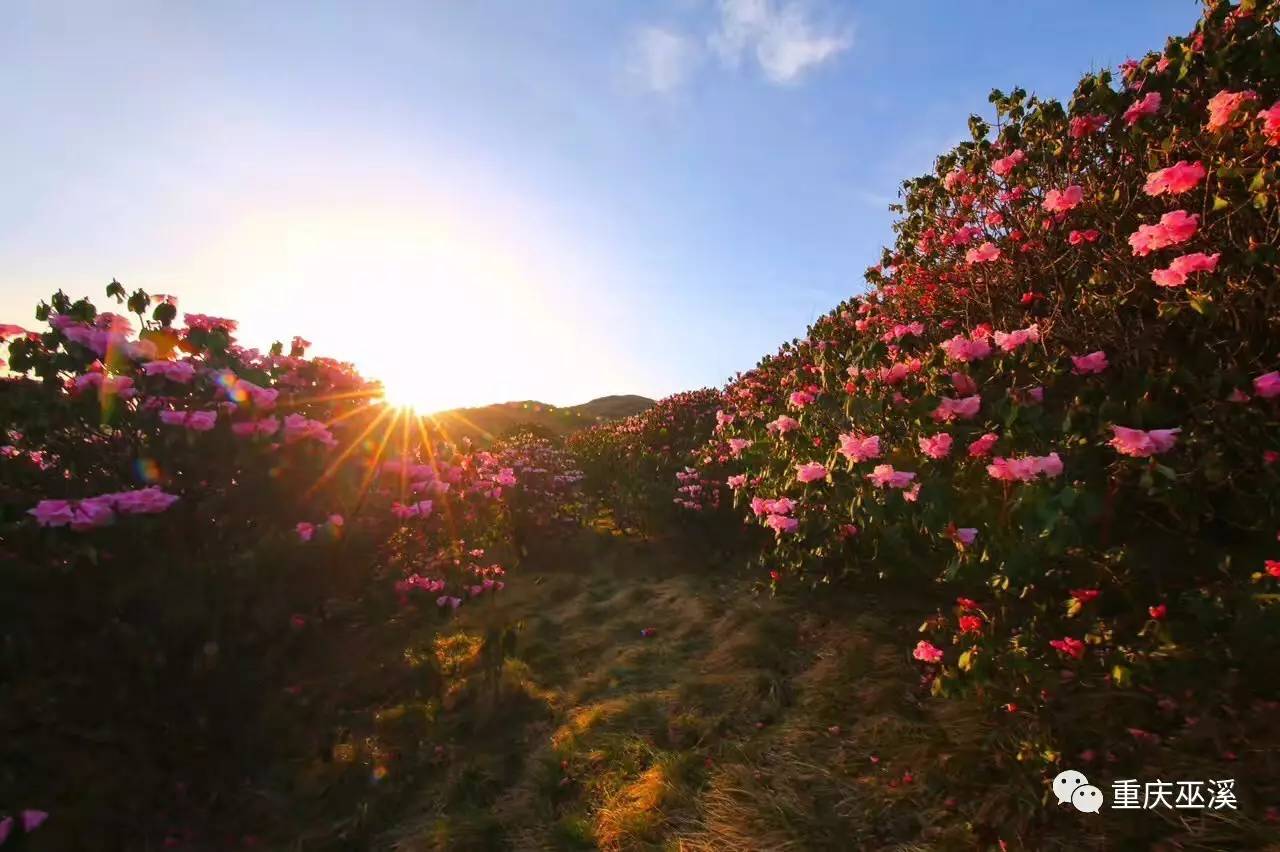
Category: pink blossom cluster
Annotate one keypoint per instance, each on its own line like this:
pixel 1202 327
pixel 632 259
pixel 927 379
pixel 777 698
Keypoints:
pixel 1025 468
pixel 298 427
pixel 99 511
pixel 1140 444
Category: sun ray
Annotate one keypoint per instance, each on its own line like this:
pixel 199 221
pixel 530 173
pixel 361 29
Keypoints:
pixel 333 466
pixel 377 456
pixel 429 449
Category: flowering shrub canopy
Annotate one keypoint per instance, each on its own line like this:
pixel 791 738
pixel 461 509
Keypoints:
pixel 1062 377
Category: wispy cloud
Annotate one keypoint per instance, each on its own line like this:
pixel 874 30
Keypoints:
pixel 662 60
pixel 784 40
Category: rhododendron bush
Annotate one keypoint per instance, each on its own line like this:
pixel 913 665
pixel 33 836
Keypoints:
pixel 1056 407
pixel 182 521
pixel 635 464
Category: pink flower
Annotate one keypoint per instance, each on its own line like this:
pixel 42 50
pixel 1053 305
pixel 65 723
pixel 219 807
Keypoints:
pixel 898 373
pixel 336 520
pixel 927 652
pixel 810 472
pixel 1004 165
pixel 181 372
pixel 1083 125
pixel 963 384
pixel 900 331
pixel 1140 444
pixel 8 330
pixel 32 819
pixel 1060 201
pixel 1175 227
pixel 781 523
pixel 265 427
pixel 800 398
pixel 782 506
pixel 305 530
pixel 1088 236
pixel 300 428
pixel 195 421
pixel 1086 365
pixel 1267 385
pixel 964 408
pixel 982 446
pixel 1073 648
pixel 738 481
pixel 964 349
pixel 985 253
pixel 857 448
pixel 142 501
pixel 737 445
pixel 1271 123
pixel 202 322
pixel 937 446
pixel 1149 105
pixel 1176 274
pixel 954 178
pixel 1179 178
pixel 1223 107
pixel 783 424
pixel 885 476
pixel 1025 468
pixel 1015 339
pixel 965 535
pixel 52 513
pixel 449 601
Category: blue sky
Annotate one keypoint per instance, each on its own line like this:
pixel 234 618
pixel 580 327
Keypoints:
pixel 484 201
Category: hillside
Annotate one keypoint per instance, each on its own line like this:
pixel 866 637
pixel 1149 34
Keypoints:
pixel 489 421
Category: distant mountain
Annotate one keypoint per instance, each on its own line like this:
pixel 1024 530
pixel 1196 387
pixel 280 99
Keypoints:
pixel 494 421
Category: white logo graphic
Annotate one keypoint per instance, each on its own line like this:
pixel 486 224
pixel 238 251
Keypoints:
pixel 1071 787
pixel 1087 799
pixel 1066 783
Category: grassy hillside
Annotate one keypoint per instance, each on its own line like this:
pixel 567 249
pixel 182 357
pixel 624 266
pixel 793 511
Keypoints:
pixel 503 418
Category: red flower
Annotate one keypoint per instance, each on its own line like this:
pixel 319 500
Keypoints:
pixel 1073 648
pixel 1158 611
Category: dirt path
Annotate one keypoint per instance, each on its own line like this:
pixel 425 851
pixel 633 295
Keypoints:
pixel 742 722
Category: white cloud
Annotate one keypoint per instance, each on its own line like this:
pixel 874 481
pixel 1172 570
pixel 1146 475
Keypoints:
pixel 783 40
pixel 662 60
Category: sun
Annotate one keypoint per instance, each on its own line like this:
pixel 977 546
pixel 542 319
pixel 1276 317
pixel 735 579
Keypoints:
pixel 411 393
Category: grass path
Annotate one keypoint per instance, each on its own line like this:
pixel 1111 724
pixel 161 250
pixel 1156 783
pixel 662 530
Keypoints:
pixel 742 722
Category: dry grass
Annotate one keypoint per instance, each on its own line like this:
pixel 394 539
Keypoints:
pixel 744 723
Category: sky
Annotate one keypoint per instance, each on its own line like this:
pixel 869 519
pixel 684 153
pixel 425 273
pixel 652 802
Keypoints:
pixel 484 201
